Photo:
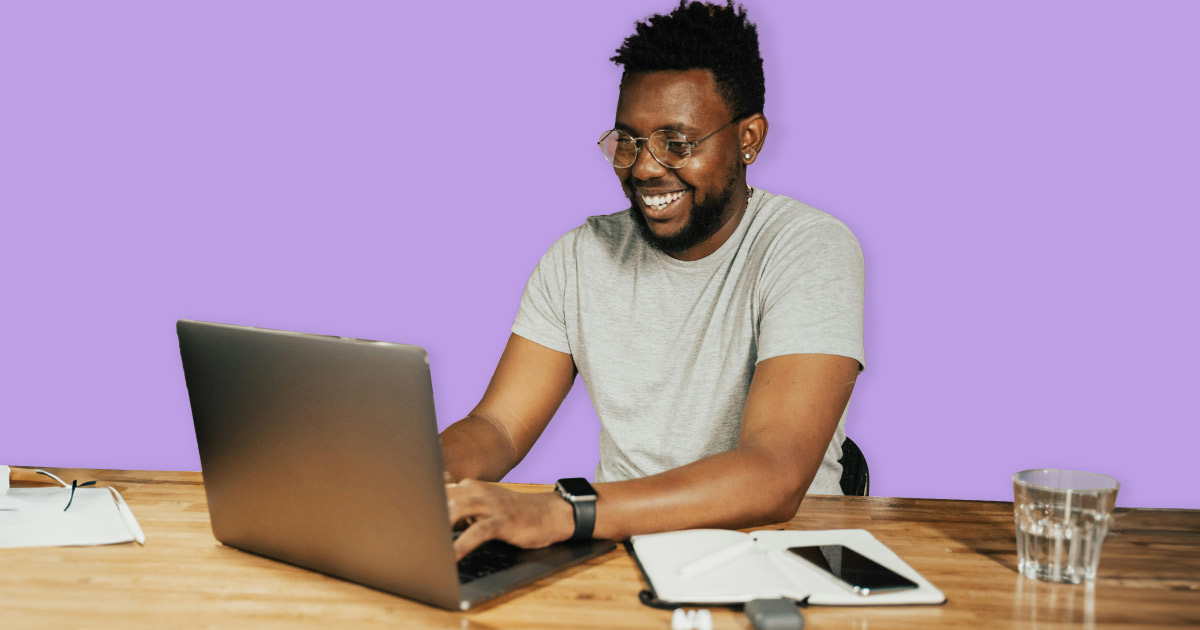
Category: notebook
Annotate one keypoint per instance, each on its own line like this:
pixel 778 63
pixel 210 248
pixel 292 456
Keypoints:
pixel 766 569
pixel 323 452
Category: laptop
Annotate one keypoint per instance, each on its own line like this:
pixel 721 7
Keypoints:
pixel 323 452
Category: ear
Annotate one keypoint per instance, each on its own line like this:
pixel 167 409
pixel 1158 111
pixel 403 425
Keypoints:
pixel 753 133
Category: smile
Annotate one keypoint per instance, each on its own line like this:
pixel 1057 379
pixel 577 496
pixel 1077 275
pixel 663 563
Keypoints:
pixel 658 203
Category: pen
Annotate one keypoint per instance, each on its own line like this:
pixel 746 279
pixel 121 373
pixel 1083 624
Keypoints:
pixel 716 559
pixel 130 521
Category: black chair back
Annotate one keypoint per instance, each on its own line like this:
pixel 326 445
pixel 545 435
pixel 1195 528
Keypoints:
pixel 856 478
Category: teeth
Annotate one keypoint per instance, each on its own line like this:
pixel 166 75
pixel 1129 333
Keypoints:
pixel 660 201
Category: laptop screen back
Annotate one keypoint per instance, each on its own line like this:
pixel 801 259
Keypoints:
pixel 323 452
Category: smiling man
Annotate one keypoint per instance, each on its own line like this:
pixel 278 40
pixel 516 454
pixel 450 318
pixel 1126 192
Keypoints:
pixel 718 328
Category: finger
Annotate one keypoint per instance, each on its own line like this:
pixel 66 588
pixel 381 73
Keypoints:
pixel 475 535
pixel 463 524
pixel 447 477
pixel 466 501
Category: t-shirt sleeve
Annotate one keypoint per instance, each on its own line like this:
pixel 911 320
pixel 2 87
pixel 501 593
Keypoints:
pixel 541 317
pixel 811 296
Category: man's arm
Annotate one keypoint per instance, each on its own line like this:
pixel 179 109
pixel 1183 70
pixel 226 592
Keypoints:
pixel 530 383
pixel 791 413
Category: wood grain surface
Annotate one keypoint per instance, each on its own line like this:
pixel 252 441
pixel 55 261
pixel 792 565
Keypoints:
pixel 1149 575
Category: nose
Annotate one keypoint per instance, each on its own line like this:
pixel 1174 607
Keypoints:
pixel 645 166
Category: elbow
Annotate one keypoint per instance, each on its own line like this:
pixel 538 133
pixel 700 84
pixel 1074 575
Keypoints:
pixel 785 509
pixel 781 487
pixel 785 500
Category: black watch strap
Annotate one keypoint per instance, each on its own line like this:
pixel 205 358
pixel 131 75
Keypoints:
pixel 582 497
pixel 585 519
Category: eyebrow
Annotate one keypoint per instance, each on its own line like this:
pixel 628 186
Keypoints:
pixel 682 128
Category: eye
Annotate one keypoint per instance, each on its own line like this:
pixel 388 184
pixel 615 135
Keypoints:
pixel 679 147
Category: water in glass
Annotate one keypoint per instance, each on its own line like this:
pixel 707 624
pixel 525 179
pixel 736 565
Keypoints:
pixel 1062 518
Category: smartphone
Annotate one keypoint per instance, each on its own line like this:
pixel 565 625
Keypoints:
pixel 862 574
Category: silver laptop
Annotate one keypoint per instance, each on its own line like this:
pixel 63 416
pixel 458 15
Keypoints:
pixel 323 452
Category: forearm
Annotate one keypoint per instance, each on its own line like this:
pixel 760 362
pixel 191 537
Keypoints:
pixel 743 487
pixel 791 414
pixel 477 448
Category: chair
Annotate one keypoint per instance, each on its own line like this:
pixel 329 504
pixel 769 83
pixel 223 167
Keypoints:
pixel 856 478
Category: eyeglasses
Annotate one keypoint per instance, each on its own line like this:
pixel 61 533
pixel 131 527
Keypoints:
pixel 74 484
pixel 669 148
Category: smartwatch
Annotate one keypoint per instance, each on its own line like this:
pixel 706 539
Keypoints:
pixel 582 497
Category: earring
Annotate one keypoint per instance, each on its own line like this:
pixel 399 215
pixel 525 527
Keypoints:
pixel 747 156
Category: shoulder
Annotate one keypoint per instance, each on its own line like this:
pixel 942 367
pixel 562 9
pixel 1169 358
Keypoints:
pixel 608 228
pixel 600 237
pixel 786 227
pixel 783 217
pixel 608 236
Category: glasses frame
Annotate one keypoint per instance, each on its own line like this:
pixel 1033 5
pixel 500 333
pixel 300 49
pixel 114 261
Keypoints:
pixel 74 484
pixel 637 144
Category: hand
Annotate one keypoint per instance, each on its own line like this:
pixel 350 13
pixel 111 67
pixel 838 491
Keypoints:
pixel 492 512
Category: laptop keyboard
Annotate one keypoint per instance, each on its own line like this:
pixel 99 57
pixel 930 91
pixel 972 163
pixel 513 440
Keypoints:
pixel 488 558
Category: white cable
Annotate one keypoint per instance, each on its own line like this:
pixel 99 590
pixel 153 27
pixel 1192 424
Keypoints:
pixel 53 476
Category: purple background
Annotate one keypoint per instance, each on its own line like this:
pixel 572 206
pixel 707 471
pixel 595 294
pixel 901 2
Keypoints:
pixel 1022 177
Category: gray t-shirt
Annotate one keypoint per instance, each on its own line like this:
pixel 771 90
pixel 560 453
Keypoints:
pixel 667 348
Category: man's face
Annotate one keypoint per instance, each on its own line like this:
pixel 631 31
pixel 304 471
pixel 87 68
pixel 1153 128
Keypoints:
pixel 700 194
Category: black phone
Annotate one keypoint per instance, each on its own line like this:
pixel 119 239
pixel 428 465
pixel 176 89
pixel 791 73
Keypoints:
pixel 862 574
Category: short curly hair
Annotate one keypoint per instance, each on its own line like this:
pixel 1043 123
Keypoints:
pixel 702 36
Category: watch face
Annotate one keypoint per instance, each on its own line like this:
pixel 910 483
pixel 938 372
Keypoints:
pixel 577 487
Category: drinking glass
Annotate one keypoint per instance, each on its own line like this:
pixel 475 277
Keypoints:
pixel 1062 518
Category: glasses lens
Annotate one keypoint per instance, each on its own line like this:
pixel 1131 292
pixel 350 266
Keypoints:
pixel 670 147
pixel 618 148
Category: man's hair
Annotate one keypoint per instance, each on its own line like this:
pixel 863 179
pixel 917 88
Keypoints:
pixel 702 36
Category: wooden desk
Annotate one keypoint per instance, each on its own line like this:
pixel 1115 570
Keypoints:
pixel 1149 575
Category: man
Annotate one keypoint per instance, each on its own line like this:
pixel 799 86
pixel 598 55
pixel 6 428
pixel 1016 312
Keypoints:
pixel 718 328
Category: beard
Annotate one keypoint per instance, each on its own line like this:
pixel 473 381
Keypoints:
pixel 703 222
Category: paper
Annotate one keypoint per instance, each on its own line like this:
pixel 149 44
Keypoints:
pixel 34 517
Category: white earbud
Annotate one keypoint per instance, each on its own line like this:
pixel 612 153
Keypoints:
pixel 691 619
pixel 679 620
